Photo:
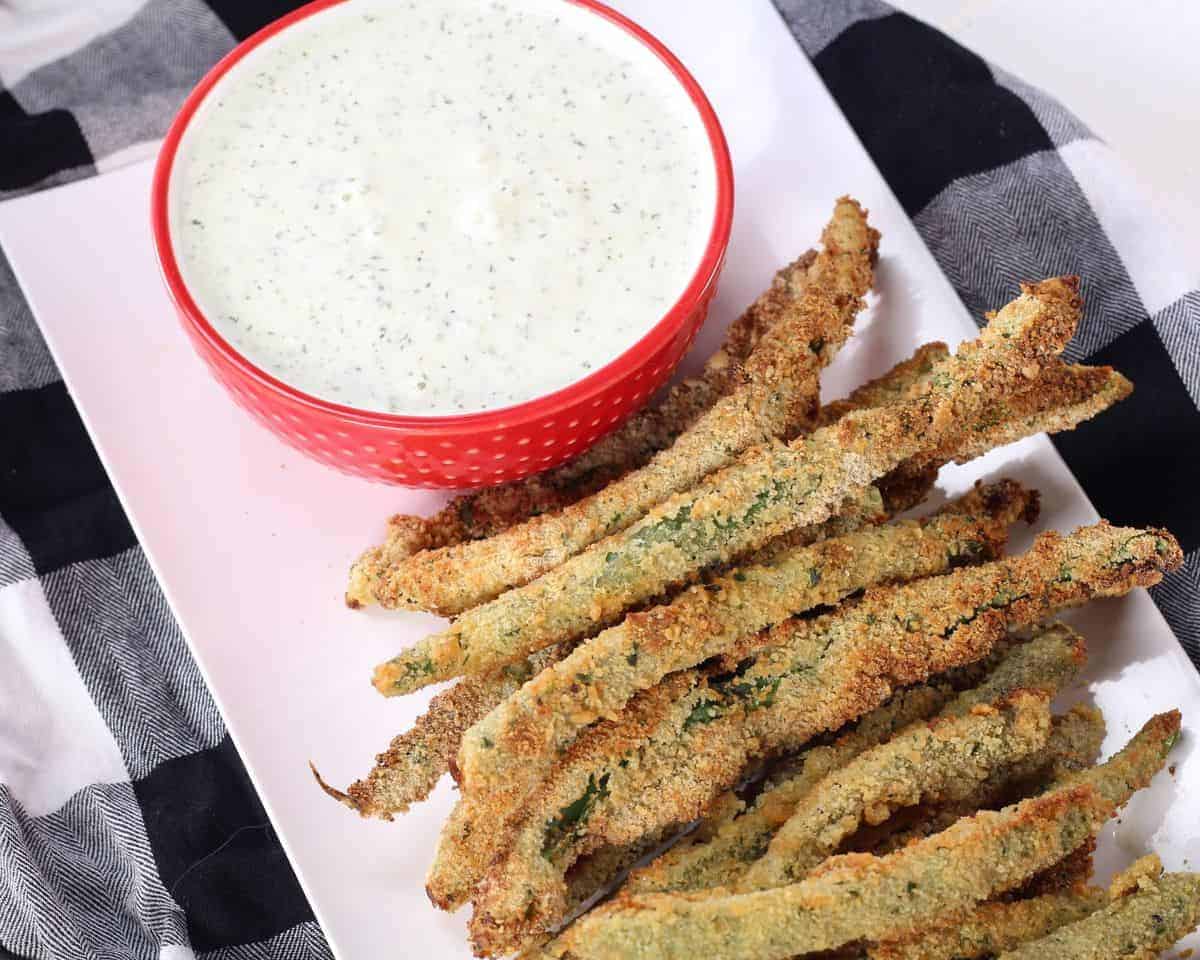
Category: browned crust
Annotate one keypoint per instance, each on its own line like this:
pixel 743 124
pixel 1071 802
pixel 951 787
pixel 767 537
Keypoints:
pixel 1061 397
pixel 939 411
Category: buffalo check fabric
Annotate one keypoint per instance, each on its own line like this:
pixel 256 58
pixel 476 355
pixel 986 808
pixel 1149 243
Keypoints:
pixel 128 826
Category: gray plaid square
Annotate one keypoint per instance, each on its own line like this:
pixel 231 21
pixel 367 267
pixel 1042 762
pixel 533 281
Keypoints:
pixel 81 882
pixel 133 659
pixel 1023 221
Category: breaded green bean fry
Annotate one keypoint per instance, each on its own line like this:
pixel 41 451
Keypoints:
pixel 524 734
pixel 850 897
pixel 1131 767
pixel 1047 662
pixel 1000 925
pixel 857 896
pixel 455 870
pixel 1065 396
pixel 1073 744
pixel 623 780
pixel 943 760
pixel 993 927
pixel 1062 396
pixel 1060 399
pixel 774 395
pixel 477 832
pixel 767 492
pixel 1136 926
pixel 1044 664
pixel 732 842
pixel 602 868
pixel 415 760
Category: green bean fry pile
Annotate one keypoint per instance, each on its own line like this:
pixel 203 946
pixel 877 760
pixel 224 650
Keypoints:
pixel 715 670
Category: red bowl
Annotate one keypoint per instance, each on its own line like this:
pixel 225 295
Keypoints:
pixel 468 450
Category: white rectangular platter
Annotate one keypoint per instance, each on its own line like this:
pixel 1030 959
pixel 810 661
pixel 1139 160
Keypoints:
pixel 251 541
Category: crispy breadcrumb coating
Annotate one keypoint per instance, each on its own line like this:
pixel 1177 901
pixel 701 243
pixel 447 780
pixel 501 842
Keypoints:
pixel 415 760
pixel 1074 744
pixel 892 387
pixel 993 927
pixel 938 761
pixel 1060 398
pixel 1136 926
pixel 729 841
pixel 735 841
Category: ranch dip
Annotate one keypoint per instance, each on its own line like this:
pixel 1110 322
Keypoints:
pixel 441 206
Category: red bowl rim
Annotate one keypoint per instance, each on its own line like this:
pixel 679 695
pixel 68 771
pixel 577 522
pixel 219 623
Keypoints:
pixel 699 288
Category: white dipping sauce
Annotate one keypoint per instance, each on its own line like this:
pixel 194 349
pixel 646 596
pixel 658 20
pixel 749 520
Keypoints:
pixel 441 206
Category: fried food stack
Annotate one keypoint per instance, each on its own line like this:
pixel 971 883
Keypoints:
pixel 714 615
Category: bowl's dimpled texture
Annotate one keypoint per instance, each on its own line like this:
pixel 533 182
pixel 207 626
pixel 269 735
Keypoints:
pixel 456 456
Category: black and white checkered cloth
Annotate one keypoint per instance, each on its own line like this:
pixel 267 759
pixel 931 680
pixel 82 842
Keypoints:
pixel 128 827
